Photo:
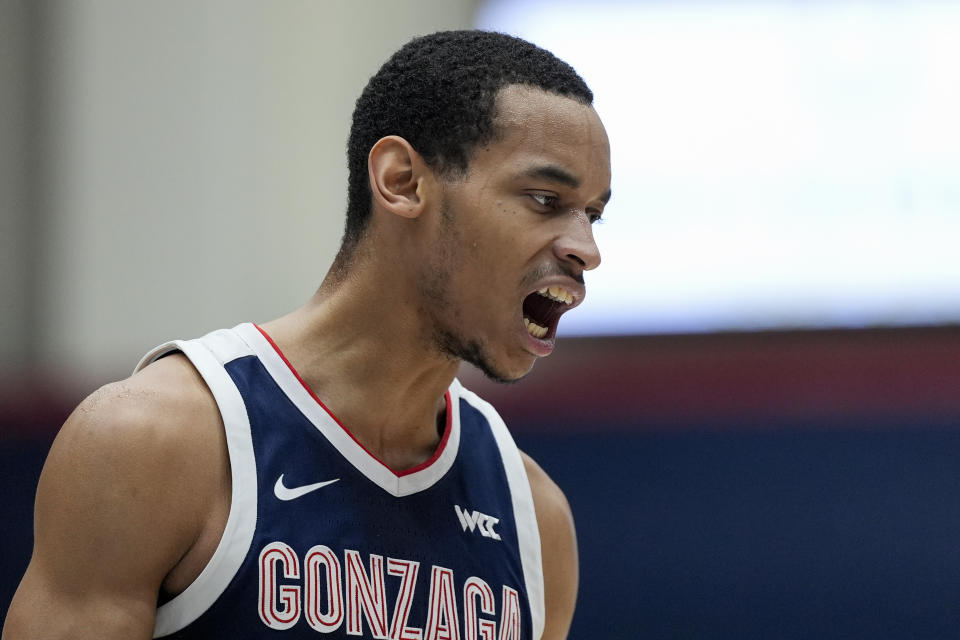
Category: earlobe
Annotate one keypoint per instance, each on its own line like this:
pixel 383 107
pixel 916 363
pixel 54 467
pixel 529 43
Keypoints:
pixel 397 174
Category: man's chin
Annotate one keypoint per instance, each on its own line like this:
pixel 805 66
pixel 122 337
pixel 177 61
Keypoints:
pixel 498 372
pixel 502 378
pixel 504 374
pixel 476 353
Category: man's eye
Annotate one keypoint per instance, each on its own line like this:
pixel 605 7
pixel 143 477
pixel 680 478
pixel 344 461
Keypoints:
pixel 543 199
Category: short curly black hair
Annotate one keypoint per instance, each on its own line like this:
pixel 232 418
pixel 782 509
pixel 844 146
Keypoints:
pixel 438 92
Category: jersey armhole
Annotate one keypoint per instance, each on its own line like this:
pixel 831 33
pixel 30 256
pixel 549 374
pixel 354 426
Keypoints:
pixel 525 516
pixel 237 537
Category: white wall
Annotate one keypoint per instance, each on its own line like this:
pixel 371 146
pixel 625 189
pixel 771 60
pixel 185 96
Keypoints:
pixel 195 161
pixel 14 233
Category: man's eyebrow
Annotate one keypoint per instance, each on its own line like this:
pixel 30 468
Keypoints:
pixel 555 174
pixel 560 175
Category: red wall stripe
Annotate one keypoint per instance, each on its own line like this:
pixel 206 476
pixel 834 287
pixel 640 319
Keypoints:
pixel 797 374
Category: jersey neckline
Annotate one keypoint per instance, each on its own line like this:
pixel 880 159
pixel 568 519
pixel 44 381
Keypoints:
pixel 399 483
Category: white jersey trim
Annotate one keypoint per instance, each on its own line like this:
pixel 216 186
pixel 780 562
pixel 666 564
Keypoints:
pixel 398 485
pixel 208 355
pixel 525 516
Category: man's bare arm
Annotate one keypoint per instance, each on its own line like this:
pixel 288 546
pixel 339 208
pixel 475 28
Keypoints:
pixel 120 503
pixel 558 541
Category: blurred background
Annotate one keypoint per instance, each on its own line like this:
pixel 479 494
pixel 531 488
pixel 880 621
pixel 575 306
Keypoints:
pixel 755 414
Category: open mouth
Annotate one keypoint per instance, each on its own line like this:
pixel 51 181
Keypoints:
pixel 542 310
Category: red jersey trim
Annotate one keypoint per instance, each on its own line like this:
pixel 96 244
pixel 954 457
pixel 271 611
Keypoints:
pixel 448 427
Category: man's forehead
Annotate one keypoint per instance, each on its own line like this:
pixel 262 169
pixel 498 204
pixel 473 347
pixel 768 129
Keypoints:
pixel 536 128
pixel 526 106
pixel 534 120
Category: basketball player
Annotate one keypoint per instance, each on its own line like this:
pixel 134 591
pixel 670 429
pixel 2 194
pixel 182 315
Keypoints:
pixel 324 474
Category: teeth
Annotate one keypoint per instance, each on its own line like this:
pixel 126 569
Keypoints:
pixel 534 329
pixel 557 294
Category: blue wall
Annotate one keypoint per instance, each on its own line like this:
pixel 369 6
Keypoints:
pixel 20 462
pixel 795 531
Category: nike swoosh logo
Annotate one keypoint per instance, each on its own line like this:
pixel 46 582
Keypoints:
pixel 284 493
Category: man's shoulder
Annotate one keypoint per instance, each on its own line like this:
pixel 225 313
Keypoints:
pixel 162 391
pixel 160 412
pixel 134 473
pixel 134 449
pixel 550 501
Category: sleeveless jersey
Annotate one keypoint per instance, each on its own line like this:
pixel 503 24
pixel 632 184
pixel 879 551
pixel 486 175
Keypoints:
pixel 325 541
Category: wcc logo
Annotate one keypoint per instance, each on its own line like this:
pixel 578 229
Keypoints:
pixel 474 520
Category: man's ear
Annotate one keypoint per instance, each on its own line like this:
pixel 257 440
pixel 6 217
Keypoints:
pixel 398 177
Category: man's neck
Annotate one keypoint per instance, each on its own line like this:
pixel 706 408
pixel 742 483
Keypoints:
pixel 361 348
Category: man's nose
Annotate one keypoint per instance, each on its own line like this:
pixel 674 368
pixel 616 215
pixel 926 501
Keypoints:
pixel 577 244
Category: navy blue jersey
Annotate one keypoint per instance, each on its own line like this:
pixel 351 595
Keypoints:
pixel 324 540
